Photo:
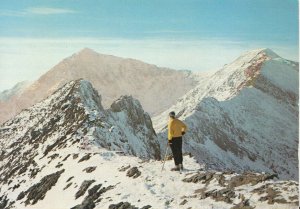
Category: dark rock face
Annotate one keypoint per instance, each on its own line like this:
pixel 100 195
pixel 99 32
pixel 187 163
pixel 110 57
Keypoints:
pixel 84 186
pixel 242 179
pixel 244 204
pixel 69 179
pixel 270 191
pixel 272 195
pixel 84 158
pixel 204 177
pixel 133 172
pixel 225 195
pixel 183 202
pixel 3 202
pixel 38 191
pixel 137 120
pixel 68 185
pixel 134 110
pixel 93 197
pixel 124 168
pixel 126 205
pixel 90 169
pixel 249 178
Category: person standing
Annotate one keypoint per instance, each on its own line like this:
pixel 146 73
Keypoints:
pixel 176 129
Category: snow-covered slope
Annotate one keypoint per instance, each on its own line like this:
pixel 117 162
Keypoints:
pixel 245 117
pixel 112 76
pixel 14 91
pixel 106 180
pixel 74 115
pixel 69 152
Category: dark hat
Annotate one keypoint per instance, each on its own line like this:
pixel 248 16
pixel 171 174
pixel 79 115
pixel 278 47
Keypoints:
pixel 172 114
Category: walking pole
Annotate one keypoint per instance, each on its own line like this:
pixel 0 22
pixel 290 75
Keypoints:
pixel 165 158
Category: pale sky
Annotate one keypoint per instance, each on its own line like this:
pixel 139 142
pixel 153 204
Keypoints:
pixel 198 35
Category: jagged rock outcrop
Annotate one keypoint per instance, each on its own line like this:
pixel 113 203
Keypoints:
pixel 38 191
pixel 93 197
pixel 126 205
pixel 84 186
pixel 245 117
pixel 133 172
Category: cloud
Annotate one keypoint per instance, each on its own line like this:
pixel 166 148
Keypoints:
pixel 48 10
pixel 37 11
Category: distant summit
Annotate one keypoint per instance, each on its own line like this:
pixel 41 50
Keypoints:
pixel 14 91
pixel 112 77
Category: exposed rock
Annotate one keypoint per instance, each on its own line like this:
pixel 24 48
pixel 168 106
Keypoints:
pixel 225 195
pixel 244 204
pixel 15 187
pixel 34 172
pixel 204 177
pixel 38 191
pixel 52 157
pixel 3 202
pixel 90 169
pixel 126 205
pixel 124 168
pixel 66 157
pixel 68 185
pixel 69 179
pixel 21 195
pixel 241 179
pixel 133 172
pixel 75 156
pixel 84 158
pixel 137 119
pixel 84 186
pixel 146 207
pixel 249 178
pixel 183 202
pixel 59 165
pixel 93 196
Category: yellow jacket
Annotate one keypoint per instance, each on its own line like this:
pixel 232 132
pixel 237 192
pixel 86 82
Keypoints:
pixel 175 128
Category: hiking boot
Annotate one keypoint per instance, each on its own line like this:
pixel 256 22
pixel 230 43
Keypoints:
pixel 176 168
pixel 180 166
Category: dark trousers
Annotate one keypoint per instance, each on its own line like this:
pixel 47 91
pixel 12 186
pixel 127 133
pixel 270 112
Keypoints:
pixel 176 148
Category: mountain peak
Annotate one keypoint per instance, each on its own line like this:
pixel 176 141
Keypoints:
pixel 86 52
pixel 269 53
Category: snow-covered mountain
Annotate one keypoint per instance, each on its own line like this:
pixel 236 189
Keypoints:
pixel 74 115
pixel 69 152
pixel 245 117
pixel 153 86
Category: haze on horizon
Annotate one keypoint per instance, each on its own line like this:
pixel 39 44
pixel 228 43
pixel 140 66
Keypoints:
pixel 195 35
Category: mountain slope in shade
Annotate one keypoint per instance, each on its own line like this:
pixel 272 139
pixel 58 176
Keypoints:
pixel 14 91
pixel 68 152
pixel 245 117
pixel 113 77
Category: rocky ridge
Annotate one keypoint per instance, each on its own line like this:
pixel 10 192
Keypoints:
pixel 245 117
pixel 69 144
